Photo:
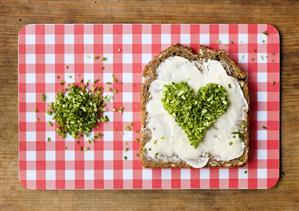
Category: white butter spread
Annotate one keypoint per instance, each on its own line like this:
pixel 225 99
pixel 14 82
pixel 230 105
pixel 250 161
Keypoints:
pixel 168 138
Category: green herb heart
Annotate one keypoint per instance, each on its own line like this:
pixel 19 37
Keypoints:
pixel 195 113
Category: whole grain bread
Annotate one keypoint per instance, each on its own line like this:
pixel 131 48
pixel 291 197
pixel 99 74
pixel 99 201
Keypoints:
pixel 149 75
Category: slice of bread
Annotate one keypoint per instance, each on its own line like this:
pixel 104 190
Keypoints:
pixel 149 75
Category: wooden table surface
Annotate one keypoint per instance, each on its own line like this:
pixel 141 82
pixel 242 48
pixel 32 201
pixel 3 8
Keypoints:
pixel 283 14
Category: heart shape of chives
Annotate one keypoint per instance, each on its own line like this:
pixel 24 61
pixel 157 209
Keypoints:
pixel 194 112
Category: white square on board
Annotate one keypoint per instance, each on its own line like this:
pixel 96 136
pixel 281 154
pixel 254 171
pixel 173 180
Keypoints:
pixel 51 135
pixel 262 115
pixel 108 135
pixel 262 135
pixel 49 39
pixel 127 174
pixel 147 174
pixel 127 78
pixel 185 174
pixel 165 39
pixel 50 97
pixel 262 77
pixel 185 38
pixel 108 155
pixel 261 173
pixel 49 58
pixel 127 97
pixel 242 58
pixel 69 78
pixel 262 154
pixel 30 78
pixel 127 116
pixel 242 38
pixel 50 78
pixel 146 57
pixel 88 58
pixel 166 174
pixel 89 155
pixel 70 155
pixel 69 39
pixel 108 174
pixel 262 58
pixel 262 96
pixel 30 155
pixel 204 38
pixel 30 174
pixel 224 38
pixel 108 58
pixel 30 116
pixel 50 174
pixel 88 38
pixel 109 114
pixel 30 58
pixel 88 174
pixel 69 58
pixel 107 78
pixel 127 58
pixel 30 136
pixel 69 174
pixel 242 173
pixel 30 39
pixel 88 77
pixel 223 173
pixel 262 38
pixel 50 155
pixel 127 38
pixel 204 173
pixel 30 97
pixel 146 38
pixel 107 38
pixel 128 135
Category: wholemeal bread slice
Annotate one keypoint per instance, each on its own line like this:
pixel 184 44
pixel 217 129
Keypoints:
pixel 149 75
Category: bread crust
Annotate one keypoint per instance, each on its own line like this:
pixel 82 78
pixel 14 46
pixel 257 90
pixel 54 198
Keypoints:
pixel 149 75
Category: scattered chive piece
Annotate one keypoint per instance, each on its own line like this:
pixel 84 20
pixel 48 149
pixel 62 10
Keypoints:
pixel 49 139
pixel 125 157
pixel 229 86
pixel 156 154
pixel 230 143
pixel 114 78
pixel 266 33
pixel 96 81
pixel 245 172
pixel 155 141
pixel 108 83
pixel 44 97
pixel 50 123
pixel 149 149
pixel 70 76
pixel 263 41
pixel 104 59
pixel 162 137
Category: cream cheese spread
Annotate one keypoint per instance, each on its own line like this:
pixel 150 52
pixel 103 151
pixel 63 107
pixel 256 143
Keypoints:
pixel 168 138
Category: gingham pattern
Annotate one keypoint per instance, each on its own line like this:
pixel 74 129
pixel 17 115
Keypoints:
pixel 47 52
